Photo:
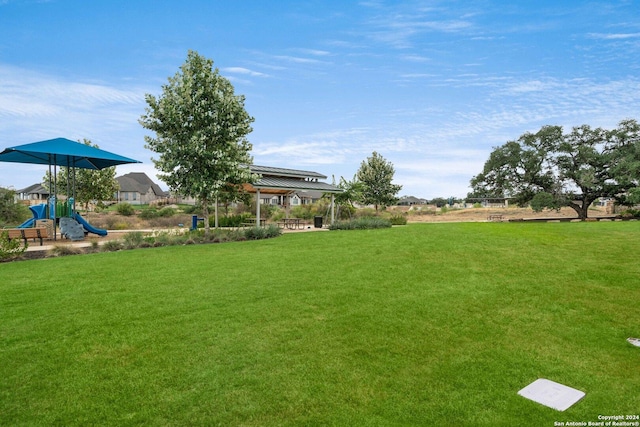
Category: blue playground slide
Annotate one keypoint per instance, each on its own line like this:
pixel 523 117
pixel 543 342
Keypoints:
pixel 90 228
pixel 28 223
pixel 38 211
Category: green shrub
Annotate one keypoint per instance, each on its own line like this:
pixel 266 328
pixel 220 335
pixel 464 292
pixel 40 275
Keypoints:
pixel 163 239
pixel 112 246
pixel 125 209
pixel 254 233
pixel 190 209
pixel 63 250
pixel 11 212
pixel 147 242
pixel 149 213
pixel 345 211
pixel 272 231
pixel 363 223
pixel 303 211
pixel 398 219
pixel 10 248
pixel 133 239
pixel 631 213
pixel 257 233
pixel 121 225
pixel 166 212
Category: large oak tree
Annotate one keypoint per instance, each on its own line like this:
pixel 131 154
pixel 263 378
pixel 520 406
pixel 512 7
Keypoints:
pixel 201 127
pixel 551 169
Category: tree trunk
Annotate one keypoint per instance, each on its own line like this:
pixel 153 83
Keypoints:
pixel 582 213
pixel 216 214
pixel 582 207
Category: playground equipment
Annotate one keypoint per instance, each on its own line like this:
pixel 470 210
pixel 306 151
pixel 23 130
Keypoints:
pixel 65 153
pixel 72 225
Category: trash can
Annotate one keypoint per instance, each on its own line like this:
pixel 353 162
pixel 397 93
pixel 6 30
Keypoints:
pixel 317 221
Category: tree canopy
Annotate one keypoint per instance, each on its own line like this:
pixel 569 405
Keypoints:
pixel 201 128
pixel 11 212
pixel 351 193
pixel 550 169
pixel 90 184
pixel 375 176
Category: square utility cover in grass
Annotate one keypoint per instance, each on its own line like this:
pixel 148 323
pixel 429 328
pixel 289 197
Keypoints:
pixel 551 394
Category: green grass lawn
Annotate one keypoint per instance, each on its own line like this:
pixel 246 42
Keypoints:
pixel 433 324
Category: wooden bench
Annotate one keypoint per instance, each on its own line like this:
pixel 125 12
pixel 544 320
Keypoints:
pixel 496 217
pixel 28 233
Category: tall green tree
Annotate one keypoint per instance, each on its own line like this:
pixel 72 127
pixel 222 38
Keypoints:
pixel 375 176
pixel 351 193
pixel 11 213
pixel 201 127
pixel 626 168
pixel 90 185
pixel 550 169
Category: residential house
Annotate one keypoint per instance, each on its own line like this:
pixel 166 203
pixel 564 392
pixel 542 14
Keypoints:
pixel 137 188
pixel 410 201
pixel 33 195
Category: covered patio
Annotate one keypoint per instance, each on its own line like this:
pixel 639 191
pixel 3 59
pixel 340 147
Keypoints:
pixel 286 182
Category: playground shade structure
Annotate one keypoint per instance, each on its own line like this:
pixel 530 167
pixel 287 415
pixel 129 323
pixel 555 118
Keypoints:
pixel 63 152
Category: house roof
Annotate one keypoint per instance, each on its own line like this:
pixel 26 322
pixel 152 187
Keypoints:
pixel 34 189
pixel 138 182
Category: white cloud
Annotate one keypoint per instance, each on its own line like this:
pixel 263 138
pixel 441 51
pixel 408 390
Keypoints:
pixel 314 52
pixel 244 71
pixel 298 60
pixel 36 106
pixel 614 36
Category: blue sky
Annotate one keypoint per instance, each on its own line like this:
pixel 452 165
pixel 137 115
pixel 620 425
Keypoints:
pixel 432 86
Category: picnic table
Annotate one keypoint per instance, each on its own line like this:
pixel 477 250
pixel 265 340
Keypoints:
pixel 250 222
pixel 495 217
pixel 291 223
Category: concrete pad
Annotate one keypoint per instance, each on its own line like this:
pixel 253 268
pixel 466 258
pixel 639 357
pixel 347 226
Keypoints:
pixel 634 341
pixel 551 394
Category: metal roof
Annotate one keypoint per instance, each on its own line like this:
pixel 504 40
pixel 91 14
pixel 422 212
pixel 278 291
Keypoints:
pixel 279 183
pixel 282 172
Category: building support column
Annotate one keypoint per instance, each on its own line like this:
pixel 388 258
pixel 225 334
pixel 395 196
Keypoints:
pixel 258 207
pixel 333 203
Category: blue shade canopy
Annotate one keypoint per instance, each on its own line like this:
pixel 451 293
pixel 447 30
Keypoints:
pixel 63 152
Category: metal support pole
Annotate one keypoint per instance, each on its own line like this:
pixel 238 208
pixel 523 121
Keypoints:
pixel 333 199
pixel 258 207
